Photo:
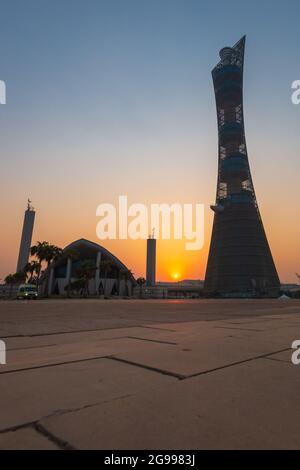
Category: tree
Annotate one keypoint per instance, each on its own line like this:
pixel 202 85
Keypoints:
pixel 141 281
pixel 52 253
pixel 32 269
pixel 76 286
pixel 40 252
pixel 19 277
pixel 44 252
pixel 13 279
pixel 85 272
pixel 9 280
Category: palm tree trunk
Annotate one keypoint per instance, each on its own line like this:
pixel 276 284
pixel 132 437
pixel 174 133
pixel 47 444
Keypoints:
pixel 38 276
pixel 47 282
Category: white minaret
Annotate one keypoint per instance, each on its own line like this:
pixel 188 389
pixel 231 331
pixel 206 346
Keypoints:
pixel 26 237
pixel 151 261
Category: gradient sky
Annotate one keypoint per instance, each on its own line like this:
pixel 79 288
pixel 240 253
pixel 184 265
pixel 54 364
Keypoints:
pixel 109 97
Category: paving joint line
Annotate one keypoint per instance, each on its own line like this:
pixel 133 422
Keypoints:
pixel 142 366
pixel 226 366
pixel 35 335
pixel 17 427
pixel 44 366
pixel 186 377
pixel 152 340
pixel 60 443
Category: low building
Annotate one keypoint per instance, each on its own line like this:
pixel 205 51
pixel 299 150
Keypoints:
pixel 292 290
pixel 186 289
pixel 111 276
pixel 8 290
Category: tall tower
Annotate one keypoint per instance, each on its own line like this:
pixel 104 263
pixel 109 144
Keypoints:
pixel 151 261
pixel 26 236
pixel 240 262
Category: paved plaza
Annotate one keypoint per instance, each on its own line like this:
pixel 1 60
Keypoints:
pixel 147 374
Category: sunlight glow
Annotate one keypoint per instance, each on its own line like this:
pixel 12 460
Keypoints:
pixel 176 276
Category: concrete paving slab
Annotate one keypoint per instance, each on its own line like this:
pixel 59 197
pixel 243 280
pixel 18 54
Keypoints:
pixel 25 439
pixel 50 316
pixel 246 406
pixel 70 337
pixel 108 403
pixel 70 352
pixel 195 357
pixel 30 395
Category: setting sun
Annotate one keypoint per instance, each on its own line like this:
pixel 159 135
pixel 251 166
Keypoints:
pixel 176 276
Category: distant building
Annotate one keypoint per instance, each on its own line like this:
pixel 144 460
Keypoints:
pixel 26 237
pixel 111 277
pixel 291 289
pixel 151 261
pixel 186 289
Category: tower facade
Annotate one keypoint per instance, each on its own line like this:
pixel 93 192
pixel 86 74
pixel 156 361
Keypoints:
pixel 25 244
pixel 240 262
pixel 151 261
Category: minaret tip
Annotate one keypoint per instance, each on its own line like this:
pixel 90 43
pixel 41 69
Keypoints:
pixel 29 205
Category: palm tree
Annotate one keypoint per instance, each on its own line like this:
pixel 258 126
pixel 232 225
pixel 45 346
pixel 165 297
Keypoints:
pixel 141 281
pixel 31 268
pixel 40 252
pixel 86 271
pixel 44 251
pixel 52 253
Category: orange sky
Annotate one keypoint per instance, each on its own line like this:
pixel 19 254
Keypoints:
pixel 60 227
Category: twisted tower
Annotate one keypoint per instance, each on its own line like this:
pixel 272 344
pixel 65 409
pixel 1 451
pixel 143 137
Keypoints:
pixel 240 262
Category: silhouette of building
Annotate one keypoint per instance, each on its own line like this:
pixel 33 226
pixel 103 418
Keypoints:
pixel 240 262
pixel 111 276
pixel 185 289
pixel 151 261
pixel 26 237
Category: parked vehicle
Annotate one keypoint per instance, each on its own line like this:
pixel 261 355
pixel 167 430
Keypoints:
pixel 27 291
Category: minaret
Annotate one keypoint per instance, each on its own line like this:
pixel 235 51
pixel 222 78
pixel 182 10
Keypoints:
pixel 240 262
pixel 26 237
pixel 151 261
